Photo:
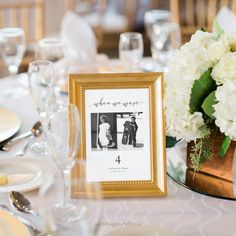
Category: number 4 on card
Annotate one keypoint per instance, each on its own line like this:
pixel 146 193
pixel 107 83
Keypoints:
pixel 118 160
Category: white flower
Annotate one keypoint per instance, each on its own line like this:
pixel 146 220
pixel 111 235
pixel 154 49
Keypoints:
pixel 204 39
pixel 232 41
pixel 225 109
pixel 225 70
pixel 188 64
pixel 218 48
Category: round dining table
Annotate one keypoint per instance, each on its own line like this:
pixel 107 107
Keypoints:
pixel 181 212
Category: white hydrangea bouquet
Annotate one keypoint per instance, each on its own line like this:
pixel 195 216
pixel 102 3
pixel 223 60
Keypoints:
pixel 200 92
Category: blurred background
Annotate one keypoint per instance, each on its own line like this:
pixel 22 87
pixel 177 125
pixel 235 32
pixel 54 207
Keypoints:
pixel 108 19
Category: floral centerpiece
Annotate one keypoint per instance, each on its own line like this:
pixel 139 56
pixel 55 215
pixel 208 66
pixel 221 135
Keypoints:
pixel 200 93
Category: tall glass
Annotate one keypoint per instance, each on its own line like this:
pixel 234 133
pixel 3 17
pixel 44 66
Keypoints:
pixel 155 17
pixel 41 87
pixel 12 49
pixel 131 50
pixel 165 40
pixel 63 137
pixel 164 36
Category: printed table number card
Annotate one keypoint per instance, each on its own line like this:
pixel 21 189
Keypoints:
pixel 122 126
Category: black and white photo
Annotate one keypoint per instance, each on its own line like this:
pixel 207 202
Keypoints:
pixel 117 131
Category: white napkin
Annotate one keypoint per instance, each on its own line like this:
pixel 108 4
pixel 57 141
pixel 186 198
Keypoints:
pixel 17 179
pixel 227 20
pixel 79 39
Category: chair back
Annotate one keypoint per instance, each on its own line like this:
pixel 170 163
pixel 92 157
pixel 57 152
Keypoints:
pixel 27 14
pixel 194 14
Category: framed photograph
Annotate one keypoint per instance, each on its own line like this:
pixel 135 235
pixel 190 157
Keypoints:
pixel 123 133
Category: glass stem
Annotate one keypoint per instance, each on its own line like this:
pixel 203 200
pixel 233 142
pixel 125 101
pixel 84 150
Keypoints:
pixel 66 176
pixel 43 119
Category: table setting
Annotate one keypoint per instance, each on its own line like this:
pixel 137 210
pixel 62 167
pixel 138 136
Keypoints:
pixel 135 145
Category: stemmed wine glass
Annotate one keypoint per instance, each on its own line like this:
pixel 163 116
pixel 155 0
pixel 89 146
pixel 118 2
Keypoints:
pixel 63 137
pixel 12 49
pixel 41 87
pixel 51 49
pixel 131 50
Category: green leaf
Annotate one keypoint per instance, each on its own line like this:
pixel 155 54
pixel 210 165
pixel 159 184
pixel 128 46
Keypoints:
pixel 200 90
pixel 171 141
pixel 224 146
pixel 217 28
pixel 208 103
pixel 202 29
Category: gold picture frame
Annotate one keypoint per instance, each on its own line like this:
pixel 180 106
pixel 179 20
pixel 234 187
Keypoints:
pixel 83 88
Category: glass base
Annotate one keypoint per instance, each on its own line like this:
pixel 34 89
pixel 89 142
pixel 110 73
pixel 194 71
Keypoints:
pixel 40 148
pixel 66 213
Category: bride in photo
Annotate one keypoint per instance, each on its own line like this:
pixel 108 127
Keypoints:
pixel 104 136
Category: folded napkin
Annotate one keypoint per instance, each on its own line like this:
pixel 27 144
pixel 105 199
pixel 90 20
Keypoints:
pixel 79 40
pixel 16 179
pixel 227 20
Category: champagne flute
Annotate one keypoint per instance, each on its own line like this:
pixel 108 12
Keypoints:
pixel 131 50
pixel 41 87
pixel 63 137
pixel 12 48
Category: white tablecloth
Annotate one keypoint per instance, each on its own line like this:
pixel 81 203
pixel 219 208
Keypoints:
pixel 182 211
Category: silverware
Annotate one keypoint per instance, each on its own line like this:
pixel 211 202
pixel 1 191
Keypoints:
pixel 36 231
pixel 21 203
pixel 35 131
pixel 21 151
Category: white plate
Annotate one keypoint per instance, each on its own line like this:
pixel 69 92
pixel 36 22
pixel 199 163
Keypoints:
pixel 24 174
pixel 9 123
pixel 10 225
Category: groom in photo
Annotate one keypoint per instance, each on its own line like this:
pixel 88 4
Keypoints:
pixel 132 131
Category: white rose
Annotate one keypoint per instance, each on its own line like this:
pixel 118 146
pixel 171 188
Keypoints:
pixel 225 109
pixel 203 39
pixel 232 41
pixel 225 70
pixel 218 48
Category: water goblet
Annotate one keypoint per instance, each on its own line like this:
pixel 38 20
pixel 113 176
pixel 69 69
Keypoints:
pixel 12 49
pixel 53 49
